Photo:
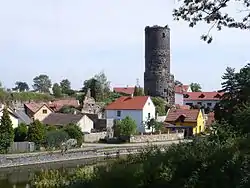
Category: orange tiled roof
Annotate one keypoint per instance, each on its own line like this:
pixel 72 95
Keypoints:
pixel 128 103
pixel 189 114
pixel 182 106
pixel 125 90
pixel 189 96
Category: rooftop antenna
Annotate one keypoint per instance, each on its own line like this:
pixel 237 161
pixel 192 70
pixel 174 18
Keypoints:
pixel 137 82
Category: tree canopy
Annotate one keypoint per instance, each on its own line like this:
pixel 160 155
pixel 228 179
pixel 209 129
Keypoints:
pixel 99 86
pixel 125 127
pixel 42 83
pixel 195 87
pixel 214 13
pixel 57 91
pixel 6 132
pixel 21 86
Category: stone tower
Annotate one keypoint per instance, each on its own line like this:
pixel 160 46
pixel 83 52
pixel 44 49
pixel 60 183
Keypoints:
pixel 158 81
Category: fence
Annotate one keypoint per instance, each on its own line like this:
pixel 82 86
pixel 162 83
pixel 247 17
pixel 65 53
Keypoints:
pixel 20 147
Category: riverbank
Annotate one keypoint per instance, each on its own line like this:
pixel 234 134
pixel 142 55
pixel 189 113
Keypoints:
pixel 93 152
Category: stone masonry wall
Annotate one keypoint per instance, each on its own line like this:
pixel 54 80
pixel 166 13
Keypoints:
pixel 94 137
pixel 157 78
pixel 155 138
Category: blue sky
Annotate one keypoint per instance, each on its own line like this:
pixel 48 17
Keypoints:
pixel 77 39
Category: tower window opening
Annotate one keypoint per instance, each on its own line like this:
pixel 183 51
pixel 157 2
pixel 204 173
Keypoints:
pixel 163 35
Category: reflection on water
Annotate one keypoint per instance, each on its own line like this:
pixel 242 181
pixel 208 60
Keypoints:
pixel 19 177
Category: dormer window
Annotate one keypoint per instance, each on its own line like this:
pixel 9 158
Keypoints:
pixel 186 96
pixel 217 96
pixel 202 96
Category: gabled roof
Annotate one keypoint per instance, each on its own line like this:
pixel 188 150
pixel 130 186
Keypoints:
pixel 190 115
pixel 11 112
pixel 23 118
pixel 58 104
pixel 34 107
pixel 192 96
pixel 128 103
pixel 62 119
pixel 181 88
pixel 125 90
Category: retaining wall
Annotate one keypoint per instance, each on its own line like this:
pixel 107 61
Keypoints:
pixel 157 137
pixel 94 137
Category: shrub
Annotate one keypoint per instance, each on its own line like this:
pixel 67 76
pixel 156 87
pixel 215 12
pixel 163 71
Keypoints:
pixel 55 138
pixel 6 132
pixel 125 127
pixel 21 132
pixel 36 133
pixel 74 132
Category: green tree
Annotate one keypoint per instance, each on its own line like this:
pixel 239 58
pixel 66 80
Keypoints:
pixel 74 132
pixel 21 86
pixel 57 91
pixel 21 133
pixel 66 86
pixel 178 83
pixel 126 127
pixel 36 133
pixel 56 138
pixel 6 132
pixel 138 91
pixel 195 87
pixel 42 83
pixel 160 105
pixel 154 125
pixel 99 86
pixel 68 109
pixel 215 13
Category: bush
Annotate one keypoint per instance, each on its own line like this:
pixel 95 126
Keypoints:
pixel 55 138
pixel 36 133
pixel 74 132
pixel 21 132
pixel 125 127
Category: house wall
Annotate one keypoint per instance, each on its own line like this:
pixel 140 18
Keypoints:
pixel 149 107
pixel 134 114
pixel 86 124
pixel 179 98
pixel 198 126
pixel 13 119
pixel 39 115
pixel 202 102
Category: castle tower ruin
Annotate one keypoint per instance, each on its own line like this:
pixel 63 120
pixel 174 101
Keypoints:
pixel 158 81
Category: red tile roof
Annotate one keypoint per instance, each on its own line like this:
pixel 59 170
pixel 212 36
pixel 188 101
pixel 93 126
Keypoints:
pixel 128 103
pixel 182 106
pixel 58 104
pixel 192 96
pixel 189 114
pixel 125 90
pixel 34 107
pixel 181 88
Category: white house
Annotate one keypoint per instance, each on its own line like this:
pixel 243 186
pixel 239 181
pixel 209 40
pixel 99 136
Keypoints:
pixel 179 91
pixel 60 119
pixel 13 117
pixel 206 99
pixel 139 108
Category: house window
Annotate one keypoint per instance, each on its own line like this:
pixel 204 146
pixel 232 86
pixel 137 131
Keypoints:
pixel 148 103
pixel 148 115
pixel 199 103
pixel 44 111
pixel 118 113
pixel 209 104
pixel 190 104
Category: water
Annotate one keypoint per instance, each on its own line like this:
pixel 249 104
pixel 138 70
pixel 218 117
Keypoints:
pixel 19 177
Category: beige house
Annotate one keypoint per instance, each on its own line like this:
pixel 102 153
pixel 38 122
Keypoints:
pixel 13 116
pixel 60 120
pixel 37 111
